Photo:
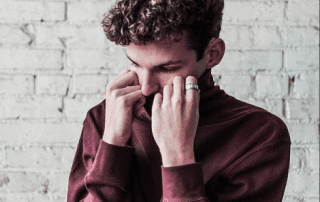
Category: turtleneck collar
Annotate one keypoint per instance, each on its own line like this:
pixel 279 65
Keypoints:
pixel 207 90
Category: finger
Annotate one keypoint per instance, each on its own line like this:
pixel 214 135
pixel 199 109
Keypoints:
pixel 133 97
pixel 125 80
pixel 157 102
pixel 139 104
pixel 167 93
pixel 178 88
pixel 121 74
pixel 126 90
pixel 192 94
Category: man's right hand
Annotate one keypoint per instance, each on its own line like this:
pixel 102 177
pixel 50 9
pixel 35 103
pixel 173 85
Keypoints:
pixel 123 96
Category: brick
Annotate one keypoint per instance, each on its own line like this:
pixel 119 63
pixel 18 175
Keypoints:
pixel 16 84
pixel 250 12
pixel 287 198
pixel 303 184
pixel 53 188
pixel 58 183
pixel 259 103
pixel 87 12
pixel 21 181
pixel 275 106
pixel 26 11
pixel 71 36
pixel 47 36
pixel 304 158
pixel 15 133
pixel 305 12
pixel 312 158
pixel 13 35
pixel 116 60
pixel 77 108
pixel 299 199
pixel 236 37
pixel 30 59
pixel 266 38
pixel 48 190
pixel 2 160
pixel 85 59
pixel 251 60
pixel 306 85
pixel 300 36
pixel 236 84
pixel 306 109
pixel 301 59
pixel 24 197
pixel 30 107
pixel 52 84
pixel 54 132
pixel 297 159
pixel 91 36
pixel 304 133
pixel 313 199
pixel 93 84
pixel 40 158
pixel 271 86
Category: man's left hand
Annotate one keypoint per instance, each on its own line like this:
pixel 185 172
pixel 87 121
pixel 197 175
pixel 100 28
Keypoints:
pixel 175 116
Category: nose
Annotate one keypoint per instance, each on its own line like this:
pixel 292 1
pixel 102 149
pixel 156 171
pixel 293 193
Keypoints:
pixel 148 84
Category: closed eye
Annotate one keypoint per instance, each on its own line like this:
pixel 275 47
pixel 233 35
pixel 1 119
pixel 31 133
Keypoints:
pixel 134 64
pixel 163 69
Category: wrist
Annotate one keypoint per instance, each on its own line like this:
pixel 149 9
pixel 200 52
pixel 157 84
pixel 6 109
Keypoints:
pixel 177 159
pixel 114 141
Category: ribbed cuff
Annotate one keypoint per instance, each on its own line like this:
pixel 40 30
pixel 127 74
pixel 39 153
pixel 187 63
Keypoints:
pixel 113 162
pixel 181 183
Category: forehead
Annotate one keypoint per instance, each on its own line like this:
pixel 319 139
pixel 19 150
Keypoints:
pixel 160 51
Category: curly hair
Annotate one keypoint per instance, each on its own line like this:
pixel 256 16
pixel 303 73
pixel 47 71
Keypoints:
pixel 142 21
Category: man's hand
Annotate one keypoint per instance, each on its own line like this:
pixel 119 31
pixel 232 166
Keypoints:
pixel 175 116
pixel 123 96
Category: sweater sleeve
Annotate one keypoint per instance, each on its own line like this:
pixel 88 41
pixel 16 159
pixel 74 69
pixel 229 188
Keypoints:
pixel 259 176
pixel 183 183
pixel 100 171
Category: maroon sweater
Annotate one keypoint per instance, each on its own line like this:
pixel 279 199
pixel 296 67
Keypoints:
pixel 242 154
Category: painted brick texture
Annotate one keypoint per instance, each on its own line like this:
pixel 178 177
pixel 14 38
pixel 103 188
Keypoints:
pixel 55 63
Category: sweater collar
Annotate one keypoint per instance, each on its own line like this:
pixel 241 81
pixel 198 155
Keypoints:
pixel 207 90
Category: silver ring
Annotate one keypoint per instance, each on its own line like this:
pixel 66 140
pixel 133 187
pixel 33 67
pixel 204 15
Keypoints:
pixel 189 85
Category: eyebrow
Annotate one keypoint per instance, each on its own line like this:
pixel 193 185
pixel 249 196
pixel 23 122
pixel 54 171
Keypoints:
pixel 159 65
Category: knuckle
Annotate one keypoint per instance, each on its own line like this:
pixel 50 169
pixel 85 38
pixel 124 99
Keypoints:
pixel 166 104
pixel 131 73
pixel 123 101
pixel 115 93
pixel 109 88
pixel 191 79
pixel 177 101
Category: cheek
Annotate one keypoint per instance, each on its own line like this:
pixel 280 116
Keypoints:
pixel 164 79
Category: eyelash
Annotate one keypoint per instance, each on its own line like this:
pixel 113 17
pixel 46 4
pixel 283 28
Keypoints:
pixel 161 68
pixel 166 70
pixel 133 64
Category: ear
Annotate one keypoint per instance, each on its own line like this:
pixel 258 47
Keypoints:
pixel 214 52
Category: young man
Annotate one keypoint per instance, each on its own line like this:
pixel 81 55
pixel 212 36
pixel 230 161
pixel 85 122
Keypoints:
pixel 156 137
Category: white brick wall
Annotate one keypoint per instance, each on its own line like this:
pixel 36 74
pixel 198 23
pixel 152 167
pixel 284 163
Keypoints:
pixel 55 63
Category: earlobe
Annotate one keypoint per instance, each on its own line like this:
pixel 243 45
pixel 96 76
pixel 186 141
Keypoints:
pixel 215 52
